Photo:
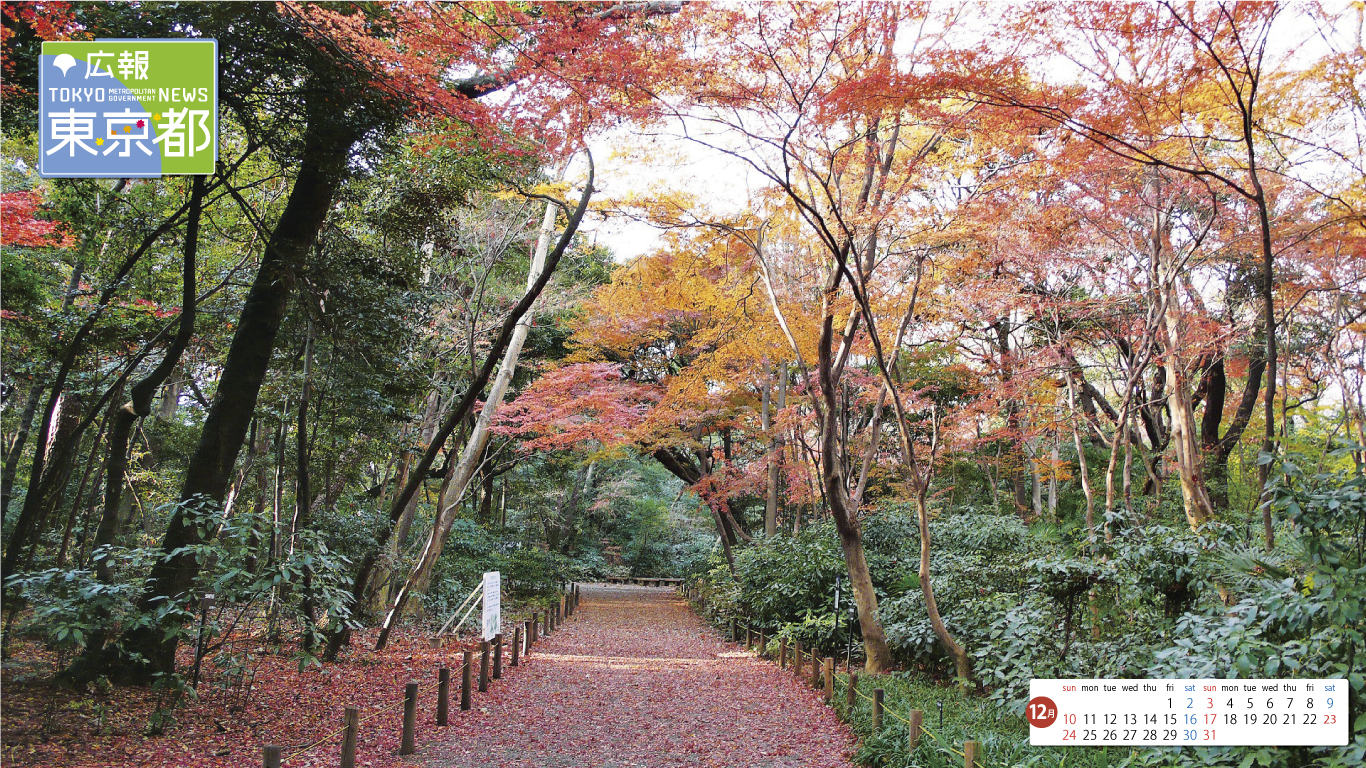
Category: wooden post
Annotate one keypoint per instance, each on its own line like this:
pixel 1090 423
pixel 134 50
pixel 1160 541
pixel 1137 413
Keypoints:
pixel 516 645
pixel 815 670
pixel 535 629
pixel 270 756
pixel 465 673
pixel 549 621
pixel 409 744
pixel 829 680
pixel 443 696
pixel 782 653
pixel 484 650
pixel 734 634
pixel 851 692
pixel 564 609
pixel 972 754
pixel 913 737
pixel 498 656
pixel 749 638
pixel 351 719
pixel 763 644
pixel 877 710
pixel 797 658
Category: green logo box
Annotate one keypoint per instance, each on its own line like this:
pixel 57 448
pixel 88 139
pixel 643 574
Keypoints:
pixel 128 108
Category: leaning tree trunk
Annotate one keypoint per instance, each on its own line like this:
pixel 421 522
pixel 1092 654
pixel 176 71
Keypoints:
pixel 225 426
pixel 420 578
pixel 340 633
pixel 140 403
pixel 1188 456
pixel 35 396
pixel 27 521
pixel 876 650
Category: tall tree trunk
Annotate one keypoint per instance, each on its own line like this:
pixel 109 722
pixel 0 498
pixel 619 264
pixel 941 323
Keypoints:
pixel 920 481
pixel 1053 479
pixel 50 488
pixel 475 448
pixel 32 509
pixel 303 498
pixel 139 405
pixel 1188 456
pixel 878 654
pixel 76 504
pixel 16 449
pixel 225 425
pixel 542 266
pixel 340 633
pixel 766 423
pixel 1164 267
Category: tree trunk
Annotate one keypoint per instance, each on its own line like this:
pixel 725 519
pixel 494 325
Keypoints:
pixel 1188 457
pixel 30 512
pixel 234 402
pixel 139 405
pixel 340 634
pixel 49 489
pixel 542 265
pixel 877 652
pixel 16 450
pixel 766 422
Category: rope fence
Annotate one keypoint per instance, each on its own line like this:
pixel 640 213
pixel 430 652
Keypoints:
pixel 540 624
pixel 971 754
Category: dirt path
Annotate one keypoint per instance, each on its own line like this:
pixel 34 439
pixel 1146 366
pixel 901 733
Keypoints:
pixel 636 679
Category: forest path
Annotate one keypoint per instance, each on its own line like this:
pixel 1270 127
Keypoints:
pixel 635 678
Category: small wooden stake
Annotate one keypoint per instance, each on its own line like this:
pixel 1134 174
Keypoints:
pixel 484 650
pixel 409 744
pixel 749 638
pixel 829 679
pixel 815 669
pixel 851 691
pixel 972 754
pixel 516 645
pixel 498 656
pixel 351 719
pixel 782 653
pixel 270 756
pixel 466 672
pixel 877 710
pixel 913 737
pixel 763 645
pixel 797 660
pixel 443 696
pixel 734 634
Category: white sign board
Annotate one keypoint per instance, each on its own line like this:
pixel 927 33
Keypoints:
pixel 493 621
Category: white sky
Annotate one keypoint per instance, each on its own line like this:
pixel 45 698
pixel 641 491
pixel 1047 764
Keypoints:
pixel 631 162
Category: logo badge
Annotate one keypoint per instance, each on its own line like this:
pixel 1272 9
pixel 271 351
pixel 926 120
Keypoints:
pixel 128 108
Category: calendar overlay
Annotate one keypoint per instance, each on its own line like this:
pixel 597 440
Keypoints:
pixel 1201 713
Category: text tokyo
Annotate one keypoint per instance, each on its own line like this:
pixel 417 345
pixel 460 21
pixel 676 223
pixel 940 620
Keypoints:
pixel 82 95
